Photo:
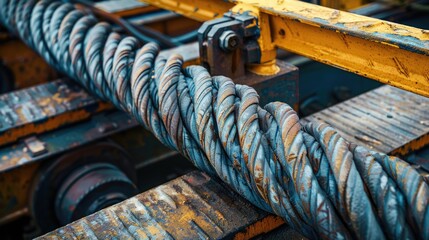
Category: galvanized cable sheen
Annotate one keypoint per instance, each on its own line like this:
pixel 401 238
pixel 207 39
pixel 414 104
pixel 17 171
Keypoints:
pixel 320 184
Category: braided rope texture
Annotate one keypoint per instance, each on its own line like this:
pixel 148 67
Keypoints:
pixel 321 185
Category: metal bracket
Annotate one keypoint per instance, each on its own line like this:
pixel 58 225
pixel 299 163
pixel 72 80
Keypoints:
pixel 35 146
pixel 227 44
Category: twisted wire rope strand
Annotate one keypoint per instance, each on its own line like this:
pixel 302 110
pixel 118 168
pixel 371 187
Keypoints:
pixel 322 186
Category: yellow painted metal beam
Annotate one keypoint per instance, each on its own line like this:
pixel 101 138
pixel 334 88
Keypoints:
pixel 387 52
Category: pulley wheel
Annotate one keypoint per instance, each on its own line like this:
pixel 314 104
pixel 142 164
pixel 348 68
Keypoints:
pixel 80 183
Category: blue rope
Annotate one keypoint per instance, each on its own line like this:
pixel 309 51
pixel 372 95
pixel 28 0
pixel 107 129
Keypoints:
pixel 320 184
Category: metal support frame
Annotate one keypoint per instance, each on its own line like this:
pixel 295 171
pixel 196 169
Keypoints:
pixel 391 53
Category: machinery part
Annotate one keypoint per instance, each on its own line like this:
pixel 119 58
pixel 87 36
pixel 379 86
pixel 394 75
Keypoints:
pixel 89 189
pixel 229 41
pixel 319 183
pixel 18 166
pixel 52 143
pixel 228 44
pixel 35 146
pixel 391 53
pixel 193 206
pixel 80 183
pixel 377 49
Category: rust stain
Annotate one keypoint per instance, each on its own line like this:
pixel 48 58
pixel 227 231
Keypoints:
pixel 263 226
pixel 411 146
pixel 50 124
pixel 45 107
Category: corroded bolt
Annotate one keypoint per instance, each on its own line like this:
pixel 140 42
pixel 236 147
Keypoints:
pixel 229 41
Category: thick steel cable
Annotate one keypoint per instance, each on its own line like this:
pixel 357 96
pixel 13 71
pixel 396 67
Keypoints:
pixel 320 184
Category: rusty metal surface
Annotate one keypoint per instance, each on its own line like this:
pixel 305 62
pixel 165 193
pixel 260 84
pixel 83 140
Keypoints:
pixel 193 206
pixel 44 107
pixel 63 139
pixel 387 119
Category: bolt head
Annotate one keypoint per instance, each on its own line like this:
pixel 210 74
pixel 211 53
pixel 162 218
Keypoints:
pixel 229 41
pixel 233 41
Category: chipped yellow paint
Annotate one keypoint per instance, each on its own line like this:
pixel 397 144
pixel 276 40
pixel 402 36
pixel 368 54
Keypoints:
pixel 307 13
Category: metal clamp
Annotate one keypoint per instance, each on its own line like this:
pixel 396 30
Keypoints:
pixel 227 44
